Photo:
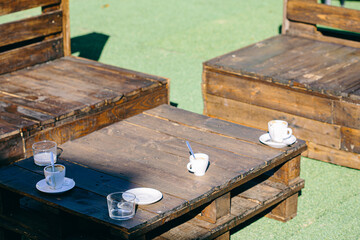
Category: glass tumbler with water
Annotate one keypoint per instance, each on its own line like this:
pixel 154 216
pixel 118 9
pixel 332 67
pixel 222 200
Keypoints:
pixel 121 205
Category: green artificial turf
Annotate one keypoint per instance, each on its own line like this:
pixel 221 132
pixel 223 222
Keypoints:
pixel 172 38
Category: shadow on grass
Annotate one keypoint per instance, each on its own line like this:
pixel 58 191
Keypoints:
pixel 89 46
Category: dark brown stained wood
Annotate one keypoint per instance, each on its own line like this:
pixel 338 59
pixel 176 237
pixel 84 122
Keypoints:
pixel 76 201
pixel 172 168
pixel 243 207
pixel 255 54
pixel 43 107
pixel 103 184
pixel 40 52
pixel 266 95
pixel 196 135
pixel 342 18
pixel 350 139
pixel 258 117
pixel 218 208
pixel 206 123
pixel 74 124
pixel 31 28
pixel 11 146
pixel 347 114
pixel 284 60
pixel 132 154
pixel 331 155
pixel 15 6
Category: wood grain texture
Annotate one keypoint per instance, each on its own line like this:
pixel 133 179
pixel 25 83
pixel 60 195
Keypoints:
pixel 15 6
pixel 149 150
pixel 267 95
pixel 335 156
pixel 245 203
pixel 284 60
pixel 31 28
pixel 254 116
pixel 315 13
pixel 30 55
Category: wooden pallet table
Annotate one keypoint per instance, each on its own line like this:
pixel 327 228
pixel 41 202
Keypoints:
pixel 245 178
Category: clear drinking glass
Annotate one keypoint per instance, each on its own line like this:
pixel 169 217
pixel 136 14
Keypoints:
pixel 42 152
pixel 121 205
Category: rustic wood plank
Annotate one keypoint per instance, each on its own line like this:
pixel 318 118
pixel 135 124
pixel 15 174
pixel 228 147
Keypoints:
pixel 216 209
pixel 331 155
pixel 125 72
pixel 9 7
pixel 205 123
pixel 254 116
pixel 350 139
pixel 172 168
pixel 264 94
pixel 284 60
pixel 40 52
pixel 254 54
pixel 65 7
pixel 347 114
pixel 206 138
pixel 31 28
pixel 104 184
pixel 342 18
pixel 43 107
pixel 76 201
pixel 243 207
pixel 11 145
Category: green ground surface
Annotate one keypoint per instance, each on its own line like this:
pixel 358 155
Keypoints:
pixel 172 38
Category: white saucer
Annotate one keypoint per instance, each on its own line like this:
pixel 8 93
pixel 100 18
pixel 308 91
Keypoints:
pixel 43 187
pixel 146 195
pixel 265 139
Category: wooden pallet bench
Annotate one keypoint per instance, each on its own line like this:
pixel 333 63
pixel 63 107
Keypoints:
pixel 47 94
pixel 308 76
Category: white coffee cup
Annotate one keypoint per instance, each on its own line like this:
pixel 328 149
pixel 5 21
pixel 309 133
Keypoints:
pixel 198 165
pixel 55 178
pixel 278 130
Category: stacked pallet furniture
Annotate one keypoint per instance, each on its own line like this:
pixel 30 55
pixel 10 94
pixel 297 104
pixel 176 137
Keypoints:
pixel 47 94
pixel 308 76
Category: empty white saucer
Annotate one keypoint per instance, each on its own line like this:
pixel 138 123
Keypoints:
pixel 146 195
pixel 43 187
pixel 265 139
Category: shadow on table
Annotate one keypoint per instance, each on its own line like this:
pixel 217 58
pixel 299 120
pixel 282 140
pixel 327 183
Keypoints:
pixel 89 46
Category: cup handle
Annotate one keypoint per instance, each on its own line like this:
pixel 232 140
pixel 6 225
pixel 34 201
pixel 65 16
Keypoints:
pixel 289 130
pixel 189 167
pixel 49 181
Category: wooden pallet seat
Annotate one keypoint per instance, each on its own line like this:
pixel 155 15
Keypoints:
pixel 47 94
pixel 308 77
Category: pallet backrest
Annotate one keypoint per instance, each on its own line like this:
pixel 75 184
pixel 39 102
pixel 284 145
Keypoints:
pixel 33 40
pixel 302 18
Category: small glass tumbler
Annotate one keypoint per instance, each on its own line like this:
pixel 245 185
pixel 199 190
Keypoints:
pixel 42 152
pixel 121 205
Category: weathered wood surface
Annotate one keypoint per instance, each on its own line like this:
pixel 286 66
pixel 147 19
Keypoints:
pixel 245 204
pixel 331 16
pixel 285 60
pixel 149 150
pixel 34 27
pixel 69 97
pixel 15 6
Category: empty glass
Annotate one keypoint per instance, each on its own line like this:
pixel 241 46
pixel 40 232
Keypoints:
pixel 121 205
